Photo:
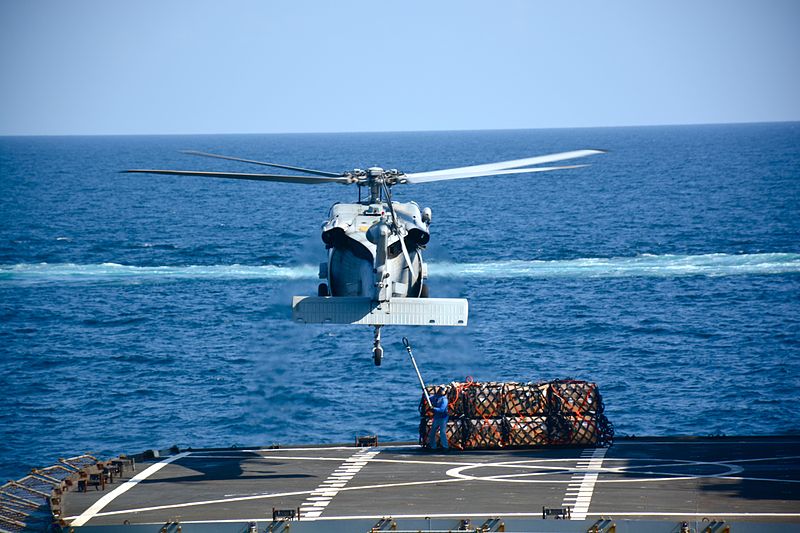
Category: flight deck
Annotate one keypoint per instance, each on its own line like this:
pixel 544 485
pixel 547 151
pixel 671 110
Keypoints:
pixel 670 484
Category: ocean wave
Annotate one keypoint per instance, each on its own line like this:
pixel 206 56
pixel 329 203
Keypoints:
pixel 643 265
pixel 114 271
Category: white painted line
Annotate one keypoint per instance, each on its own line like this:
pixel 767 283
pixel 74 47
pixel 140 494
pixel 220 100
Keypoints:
pixel 524 464
pixel 584 482
pixel 319 499
pixel 724 442
pixel 777 480
pixel 504 514
pixel 276 495
pixel 317 449
pixel 718 513
pixel 202 502
pixel 253 457
pixel 98 506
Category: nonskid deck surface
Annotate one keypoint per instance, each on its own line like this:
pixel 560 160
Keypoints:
pixel 735 479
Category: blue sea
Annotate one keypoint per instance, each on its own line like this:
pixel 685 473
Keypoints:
pixel 143 312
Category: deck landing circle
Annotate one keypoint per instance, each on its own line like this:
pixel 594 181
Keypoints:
pixel 546 472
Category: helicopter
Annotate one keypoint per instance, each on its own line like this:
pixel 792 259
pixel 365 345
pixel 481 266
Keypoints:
pixel 374 274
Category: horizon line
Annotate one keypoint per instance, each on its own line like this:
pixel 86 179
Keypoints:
pixel 4 135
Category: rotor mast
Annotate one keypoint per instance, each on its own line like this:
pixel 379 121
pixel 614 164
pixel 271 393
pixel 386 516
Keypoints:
pixel 378 181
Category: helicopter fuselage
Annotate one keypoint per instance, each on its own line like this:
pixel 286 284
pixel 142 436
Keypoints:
pixel 365 256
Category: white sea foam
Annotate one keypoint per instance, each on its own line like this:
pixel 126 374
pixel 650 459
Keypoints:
pixel 643 265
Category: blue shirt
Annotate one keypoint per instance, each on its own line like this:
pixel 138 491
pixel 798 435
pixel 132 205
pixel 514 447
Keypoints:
pixel 439 403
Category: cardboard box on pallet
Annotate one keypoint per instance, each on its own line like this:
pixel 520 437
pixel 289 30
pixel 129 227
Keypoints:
pixel 494 415
pixel 483 433
pixel 483 400
pixel 455 404
pixel 576 430
pixel 573 396
pixel 525 399
pixel 526 431
pixel 455 433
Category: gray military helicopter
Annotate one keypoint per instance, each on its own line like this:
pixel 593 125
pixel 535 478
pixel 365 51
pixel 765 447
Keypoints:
pixel 375 274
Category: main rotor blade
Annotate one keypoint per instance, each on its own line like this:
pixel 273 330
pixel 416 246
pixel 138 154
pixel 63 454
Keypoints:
pixel 242 176
pixel 415 178
pixel 490 168
pixel 276 165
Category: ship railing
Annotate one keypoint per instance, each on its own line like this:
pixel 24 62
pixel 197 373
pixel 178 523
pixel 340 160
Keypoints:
pixel 35 501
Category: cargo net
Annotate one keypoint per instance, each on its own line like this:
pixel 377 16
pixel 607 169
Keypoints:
pixel 494 415
pixel 455 433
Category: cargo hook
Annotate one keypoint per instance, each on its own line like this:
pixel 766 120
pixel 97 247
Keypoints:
pixel 377 349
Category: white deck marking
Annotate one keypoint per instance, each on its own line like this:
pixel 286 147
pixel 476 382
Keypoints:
pixel 387 447
pixel 314 504
pixel 272 495
pixel 583 480
pixel 329 485
pixel 506 515
pixel 98 506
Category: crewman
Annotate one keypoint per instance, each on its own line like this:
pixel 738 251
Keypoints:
pixel 440 416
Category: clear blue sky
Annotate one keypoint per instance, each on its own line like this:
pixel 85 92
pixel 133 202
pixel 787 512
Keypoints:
pixel 190 66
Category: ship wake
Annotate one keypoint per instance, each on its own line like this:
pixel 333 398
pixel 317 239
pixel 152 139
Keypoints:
pixel 617 267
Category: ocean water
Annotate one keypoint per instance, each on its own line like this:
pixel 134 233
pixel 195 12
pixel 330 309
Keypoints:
pixel 143 311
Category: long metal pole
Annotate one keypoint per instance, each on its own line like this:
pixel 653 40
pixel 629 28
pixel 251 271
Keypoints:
pixel 416 369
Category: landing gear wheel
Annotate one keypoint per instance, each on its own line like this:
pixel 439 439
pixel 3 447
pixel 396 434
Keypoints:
pixel 322 290
pixel 423 293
